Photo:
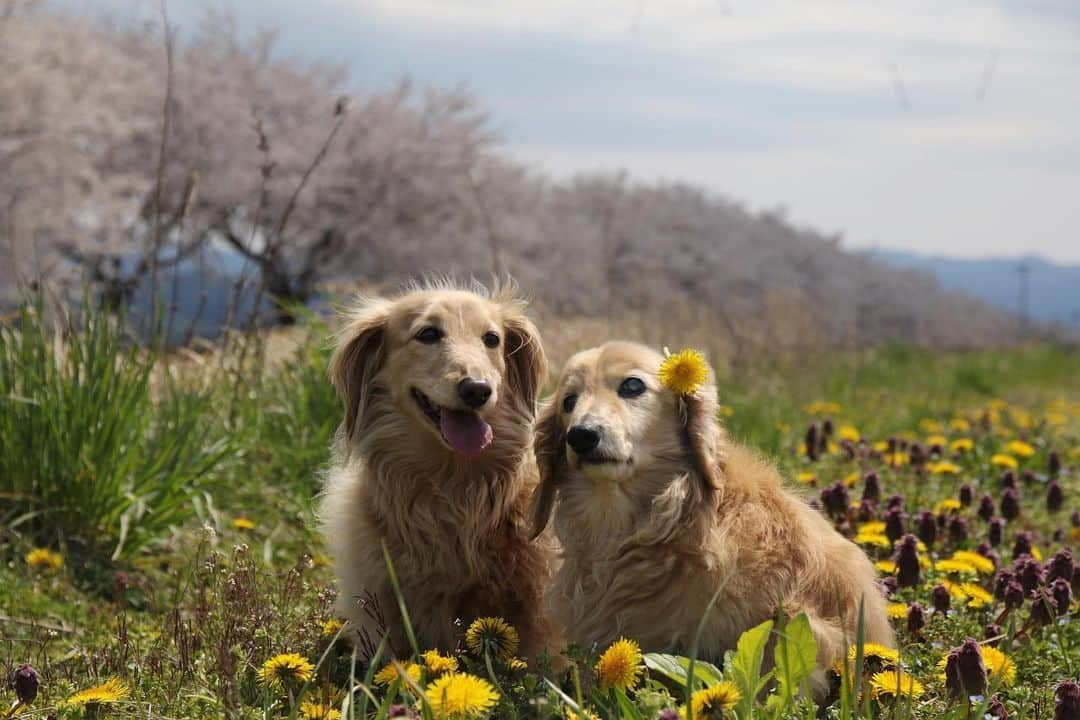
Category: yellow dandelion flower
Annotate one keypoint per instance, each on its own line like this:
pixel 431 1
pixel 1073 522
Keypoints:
pixel 888 567
pixel 961 445
pixel 851 478
pixel 887 656
pixel 330 627
pixel 849 432
pixel 875 527
pixel 715 701
pixel 977 595
pixel 822 407
pixel 982 564
pixel 242 523
pixel 620 665
pixel 437 664
pixel 390 673
pixel 807 478
pixel 1019 448
pixel 997 404
pixel 881 446
pixel 310 710
pixel 44 558
pixel 286 668
pixel 999 665
pixel 876 539
pixel 936 440
pixel 493 635
pixel 896 459
pixel 583 715
pixel 947 505
pixel 1036 553
pixel 943 467
pixel 960 424
pixel 1005 461
pixel 517 664
pixel 895 683
pixel 896 610
pixel 110 691
pixel 1056 419
pixel 460 695
pixel 927 425
pixel 684 372
pixel 959 567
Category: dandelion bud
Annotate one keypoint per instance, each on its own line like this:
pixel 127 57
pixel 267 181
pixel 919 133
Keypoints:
pixel 916 618
pixel 889 586
pixel 1055 496
pixel 1061 592
pixel 897 501
pixel 1053 463
pixel 996 532
pixel 967 494
pixel 895 523
pixel 987 509
pixel 871 487
pixel 25 682
pixel 835 499
pixel 1061 566
pixel 965 672
pixel 958 529
pixel 992 633
pixel 941 599
pixel 1010 504
pixel 996 709
pixel 1022 544
pixel 811 442
pixel 1008 479
pixel 1028 476
pixel 1067 701
pixel 926 528
pixel 908 572
pixel 1029 572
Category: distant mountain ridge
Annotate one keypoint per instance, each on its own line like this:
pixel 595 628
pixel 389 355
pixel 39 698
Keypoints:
pixel 1053 289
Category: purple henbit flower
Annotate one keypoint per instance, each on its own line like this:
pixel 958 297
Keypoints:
pixel 895 523
pixel 965 672
pixel 1061 566
pixel 926 528
pixel 25 683
pixel 1001 582
pixel 871 486
pixel 1076 579
pixel 668 714
pixel 908 572
pixel 1022 544
pixel 1008 479
pixel 1074 519
pixel 967 494
pixel 916 619
pixel 936 450
pixel 993 633
pixel 941 599
pixel 1055 497
pixel 811 442
pixel 396 711
pixel 1067 701
pixel 892 443
pixel 917 455
pixel 996 709
pixel 996 532
pixel 827 427
pixel 835 499
pixel 867 511
pixel 897 501
pixel 1028 476
pixel 1061 592
pixel 1010 504
pixel 1053 464
pixel 889 586
pixel 849 449
pixel 1029 572
pixel 1014 595
pixel 958 531
pixel 987 507
pixel 1042 607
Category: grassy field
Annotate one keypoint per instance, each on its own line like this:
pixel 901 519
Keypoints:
pixel 157 541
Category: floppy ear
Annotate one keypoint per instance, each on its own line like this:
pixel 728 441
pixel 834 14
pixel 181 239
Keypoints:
pixel 526 363
pixel 358 356
pixel 703 434
pixel 550 448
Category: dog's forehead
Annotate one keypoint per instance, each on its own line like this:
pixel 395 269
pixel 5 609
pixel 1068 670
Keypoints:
pixel 451 309
pixel 611 362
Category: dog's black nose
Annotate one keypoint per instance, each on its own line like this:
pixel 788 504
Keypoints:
pixel 474 392
pixel 583 439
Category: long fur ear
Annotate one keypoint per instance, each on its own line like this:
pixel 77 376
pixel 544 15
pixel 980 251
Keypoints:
pixel 357 358
pixel 526 363
pixel 703 433
pixel 550 448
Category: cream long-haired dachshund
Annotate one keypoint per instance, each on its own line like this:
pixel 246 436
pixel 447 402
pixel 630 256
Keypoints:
pixel 434 458
pixel 657 510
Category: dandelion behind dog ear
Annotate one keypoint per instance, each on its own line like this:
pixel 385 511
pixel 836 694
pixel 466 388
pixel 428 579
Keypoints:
pixel 688 375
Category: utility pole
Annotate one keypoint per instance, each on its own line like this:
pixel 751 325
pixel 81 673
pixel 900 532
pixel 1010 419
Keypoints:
pixel 1023 272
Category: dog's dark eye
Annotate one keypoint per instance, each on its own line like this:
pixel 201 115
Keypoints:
pixel 491 339
pixel 430 335
pixel 631 387
pixel 568 403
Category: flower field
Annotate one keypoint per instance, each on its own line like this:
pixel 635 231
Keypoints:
pixel 956 472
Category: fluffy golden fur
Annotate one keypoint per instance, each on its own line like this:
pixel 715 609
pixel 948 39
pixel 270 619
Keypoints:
pixel 666 511
pixel 456 528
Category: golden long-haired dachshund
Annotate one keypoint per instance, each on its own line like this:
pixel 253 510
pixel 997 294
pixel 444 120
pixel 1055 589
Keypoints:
pixel 434 458
pixel 657 511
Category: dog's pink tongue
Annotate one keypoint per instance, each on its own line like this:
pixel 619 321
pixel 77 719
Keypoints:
pixel 466 431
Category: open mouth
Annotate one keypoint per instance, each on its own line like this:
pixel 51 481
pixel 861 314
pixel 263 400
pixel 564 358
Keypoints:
pixel 463 430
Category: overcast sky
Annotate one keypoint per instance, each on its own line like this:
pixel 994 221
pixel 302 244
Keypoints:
pixel 946 127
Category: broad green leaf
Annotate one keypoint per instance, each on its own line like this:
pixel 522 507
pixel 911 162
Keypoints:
pixel 745 665
pixel 795 658
pixel 628 709
pixel 676 668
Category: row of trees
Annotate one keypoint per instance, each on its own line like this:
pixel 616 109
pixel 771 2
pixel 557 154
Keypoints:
pixel 123 152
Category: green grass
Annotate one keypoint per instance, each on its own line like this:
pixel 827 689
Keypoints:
pixel 99 444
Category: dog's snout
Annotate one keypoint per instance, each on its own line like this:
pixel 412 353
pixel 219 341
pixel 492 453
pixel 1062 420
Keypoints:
pixel 583 439
pixel 474 393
